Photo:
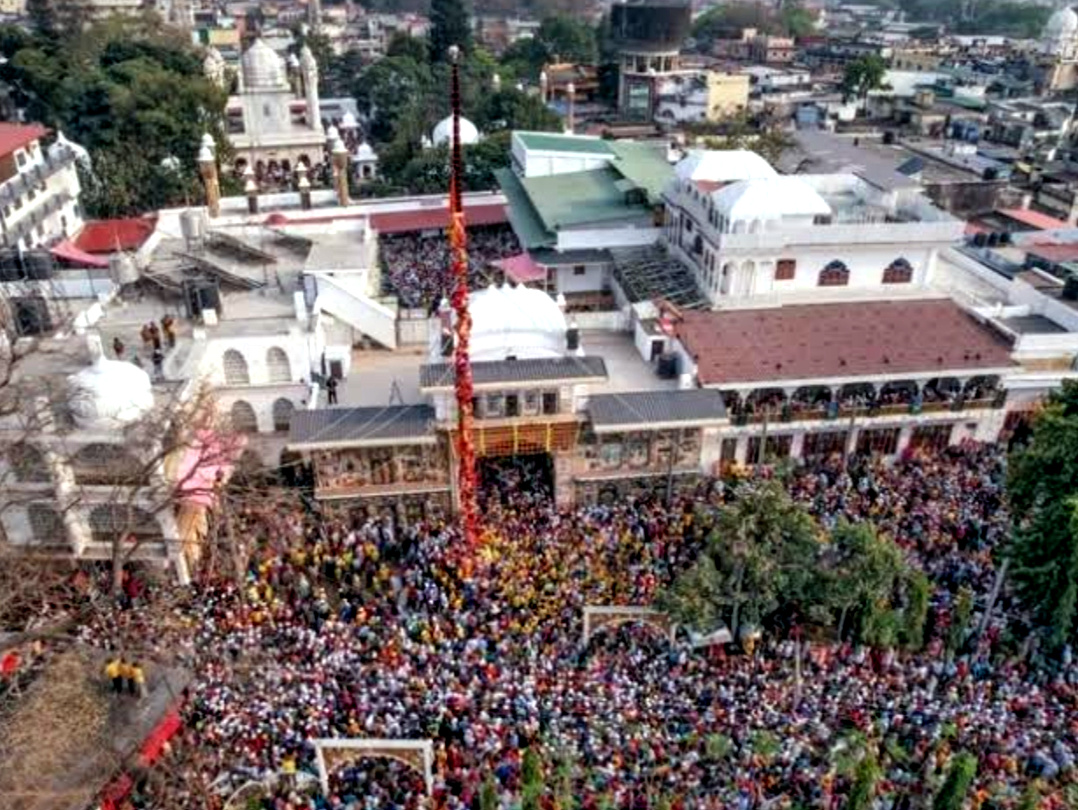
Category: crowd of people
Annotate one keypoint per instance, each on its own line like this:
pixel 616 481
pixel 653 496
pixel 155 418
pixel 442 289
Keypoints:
pixel 417 268
pixel 350 628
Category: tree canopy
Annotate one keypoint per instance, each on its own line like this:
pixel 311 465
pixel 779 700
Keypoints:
pixel 1043 489
pixel 129 91
pixel 728 20
pixel 449 25
pixel 864 75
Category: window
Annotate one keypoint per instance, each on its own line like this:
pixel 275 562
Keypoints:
pixel 836 274
pixel 107 465
pixel 550 403
pixel 243 417
pixel 277 365
pixel 20 159
pixel 495 406
pixel 531 403
pixel 579 270
pixel 282 414
pixel 785 270
pixel 236 368
pixel 512 405
pixel 900 272
pixel 110 522
pixel 46 525
pixel 28 464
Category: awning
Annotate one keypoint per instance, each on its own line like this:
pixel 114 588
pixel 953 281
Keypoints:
pixel 210 455
pixel 70 253
pixel 522 268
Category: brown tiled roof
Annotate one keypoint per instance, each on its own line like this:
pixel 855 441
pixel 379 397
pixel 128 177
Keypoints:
pixel 822 341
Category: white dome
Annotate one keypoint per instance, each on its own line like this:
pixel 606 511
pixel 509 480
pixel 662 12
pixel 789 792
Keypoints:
pixel 110 394
pixel 81 155
pixel 726 166
pixel 365 152
pixel 516 322
pixel 263 69
pixel 769 198
pixel 1064 23
pixel 443 133
pixel 348 121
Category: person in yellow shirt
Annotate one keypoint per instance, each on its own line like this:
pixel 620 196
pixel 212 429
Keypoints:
pixel 114 672
pixel 136 680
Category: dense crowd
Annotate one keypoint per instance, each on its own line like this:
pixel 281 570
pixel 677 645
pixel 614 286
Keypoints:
pixel 417 268
pixel 363 629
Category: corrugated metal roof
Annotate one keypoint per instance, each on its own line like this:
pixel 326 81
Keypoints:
pixel 578 198
pixel 440 375
pixel 847 340
pixel 550 142
pixel 334 426
pixel 522 215
pixel 643 164
pixel 689 407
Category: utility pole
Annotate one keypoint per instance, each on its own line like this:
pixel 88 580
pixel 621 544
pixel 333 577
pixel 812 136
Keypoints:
pixel 670 466
pixel 997 586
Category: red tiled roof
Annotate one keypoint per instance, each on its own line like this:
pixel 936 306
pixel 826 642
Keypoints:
pixel 430 219
pixel 1055 253
pixel 16 136
pixel 1033 219
pixel 110 235
pixel 68 252
pixel 824 341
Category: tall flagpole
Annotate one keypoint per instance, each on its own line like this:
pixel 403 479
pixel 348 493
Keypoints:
pixel 467 482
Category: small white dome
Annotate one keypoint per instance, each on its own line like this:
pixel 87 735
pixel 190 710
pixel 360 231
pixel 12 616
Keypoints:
pixel 110 394
pixel 443 133
pixel 348 121
pixel 81 155
pixel 723 166
pixel 516 322
pixel 769 198
pixel 365 152
pixel 1063 23
pixel 263 69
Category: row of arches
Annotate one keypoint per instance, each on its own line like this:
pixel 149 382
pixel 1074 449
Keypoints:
pixel 108 522
pixel 96 464
pixel 243 418
pixel 237 371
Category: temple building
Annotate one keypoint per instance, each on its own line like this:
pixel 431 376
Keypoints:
pixel 1059 51
pixel 274 120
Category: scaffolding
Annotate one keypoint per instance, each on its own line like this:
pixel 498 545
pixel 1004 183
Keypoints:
pixel 650 273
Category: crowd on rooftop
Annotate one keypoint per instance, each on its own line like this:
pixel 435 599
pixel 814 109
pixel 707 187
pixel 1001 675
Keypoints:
pixel 360 628
pixel 417 268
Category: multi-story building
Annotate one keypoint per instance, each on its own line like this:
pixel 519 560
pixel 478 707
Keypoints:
pixel 706 95
pixel 39 187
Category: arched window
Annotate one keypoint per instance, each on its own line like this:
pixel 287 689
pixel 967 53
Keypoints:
pixel 282 414
pixel 280 370
pixel 836 274
pixel 105 465
pixel 28 464
pixel 236 368
pixel 110 522
pixel 243 417
pixel 46 525
pixel 900 272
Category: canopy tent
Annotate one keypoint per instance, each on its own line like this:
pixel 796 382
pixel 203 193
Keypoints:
pixel 522 269
pixel 68 252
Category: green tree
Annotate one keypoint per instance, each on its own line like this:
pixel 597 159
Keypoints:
pixel 918 598
pixel 862 76
pixel 569 39
pixel 960 775
pixel 488 794
pixel 404 44
pixel 427 171
pixel 697 599
pixel 961 615
pixel 531 780
pixel 525 58
pixel 449 25
pixel 1042 484
pixel 796 20
pixel 866 778
pixel 764 547
pixel 512 109
pixel 864 569
pixel 386 89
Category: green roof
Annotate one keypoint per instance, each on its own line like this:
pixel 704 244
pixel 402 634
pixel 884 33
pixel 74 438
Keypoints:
pixel 522 215
pixel 646 166
pixel 578 198
pixel 549 142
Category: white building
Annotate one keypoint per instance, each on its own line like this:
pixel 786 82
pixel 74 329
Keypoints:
pixel 752 237
pixel 275 118
pixel 39 187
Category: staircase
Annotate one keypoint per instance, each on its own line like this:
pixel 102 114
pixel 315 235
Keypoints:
pixel 344 299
